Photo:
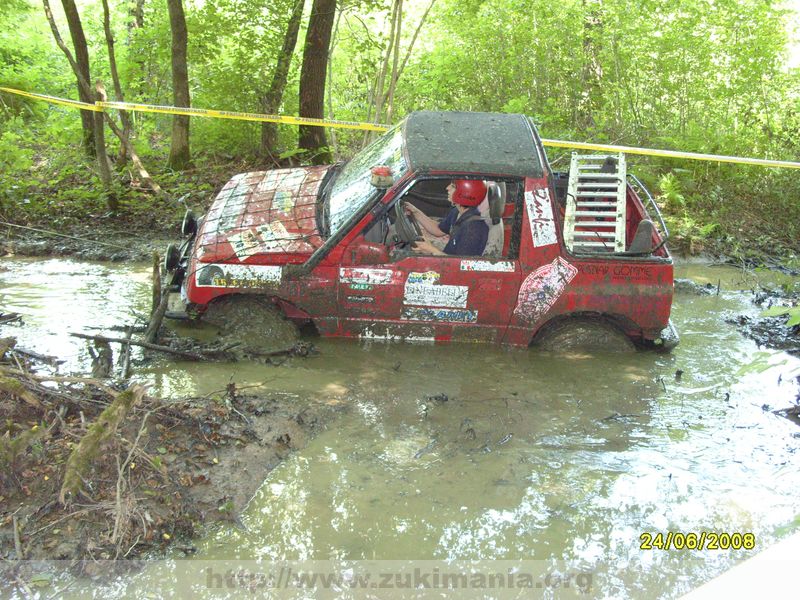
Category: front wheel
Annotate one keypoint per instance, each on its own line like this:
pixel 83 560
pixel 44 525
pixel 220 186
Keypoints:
pixel 591 335
pixel 253 321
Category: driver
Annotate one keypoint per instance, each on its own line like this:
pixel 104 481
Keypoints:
pixel 463 229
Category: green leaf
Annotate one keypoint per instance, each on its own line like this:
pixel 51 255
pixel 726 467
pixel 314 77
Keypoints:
pixel 775 311
pixel 41 580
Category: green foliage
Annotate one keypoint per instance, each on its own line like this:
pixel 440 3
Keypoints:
pixel 671 192
pixel 696 75
pixel 792 312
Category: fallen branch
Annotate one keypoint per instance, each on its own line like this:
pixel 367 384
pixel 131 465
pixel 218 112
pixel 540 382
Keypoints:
pixel 99 432
pixel 155 321
pixel 63 379
pixel 17 542
pixel 50 360
pixel 167 349
pixel 126 355
pixel 15 388
pixel 115 536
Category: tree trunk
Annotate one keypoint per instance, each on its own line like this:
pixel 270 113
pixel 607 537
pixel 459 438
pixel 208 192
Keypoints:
pixel 100 148
pixel 381 82
pixel 179 156
pixel 272 99
pixel 82 62
pixel 84 85
pixel 112 62
pixel 334 144
pixel 414 39
pixel 592 73
pixel 136 21
pixel 395 62
pixel 312 79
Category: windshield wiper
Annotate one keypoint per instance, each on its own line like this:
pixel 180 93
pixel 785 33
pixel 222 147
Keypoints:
pixel 323 206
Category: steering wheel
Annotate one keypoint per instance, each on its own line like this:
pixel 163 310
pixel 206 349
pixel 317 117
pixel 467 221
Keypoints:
pixel 406 226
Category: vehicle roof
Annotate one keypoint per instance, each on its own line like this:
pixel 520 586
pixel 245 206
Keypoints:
pixel 472 142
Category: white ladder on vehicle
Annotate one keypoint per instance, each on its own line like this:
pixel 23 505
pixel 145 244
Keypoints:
pixel 594 221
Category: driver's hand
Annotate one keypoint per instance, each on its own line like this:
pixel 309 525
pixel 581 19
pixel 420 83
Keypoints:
pixel 410 209
pixel 425 247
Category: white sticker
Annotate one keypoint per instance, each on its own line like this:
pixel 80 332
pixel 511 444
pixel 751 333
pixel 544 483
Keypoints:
pixel 540 217
pixel 502 266
pixel 270 237
pixel 368 276
pixel 394 333
pixel 450 315
pixel 542 288
pixel 237 276
pixel 426 294
pixel 245 244
pixel 274 237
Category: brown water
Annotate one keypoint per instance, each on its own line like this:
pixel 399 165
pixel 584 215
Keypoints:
pixel 532 456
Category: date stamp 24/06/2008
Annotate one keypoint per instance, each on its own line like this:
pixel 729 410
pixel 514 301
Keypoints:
pixel 705 540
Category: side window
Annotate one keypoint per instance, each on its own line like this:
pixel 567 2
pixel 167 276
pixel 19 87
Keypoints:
pixel 486 230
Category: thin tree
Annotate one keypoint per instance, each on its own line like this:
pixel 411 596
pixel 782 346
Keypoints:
pixel 380 82
pixel 329 92
pixel 272 98
pixel 312 78
pixel 395 63
pixel 83 85
pixel 179 155
pixel 112 62
pixel 82 66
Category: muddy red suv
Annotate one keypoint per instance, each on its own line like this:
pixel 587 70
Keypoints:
pixel 333 245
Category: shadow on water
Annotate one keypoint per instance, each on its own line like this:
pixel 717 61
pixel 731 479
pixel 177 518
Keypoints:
pixel 474 452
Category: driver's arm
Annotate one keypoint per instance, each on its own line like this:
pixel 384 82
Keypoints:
pixel 428 224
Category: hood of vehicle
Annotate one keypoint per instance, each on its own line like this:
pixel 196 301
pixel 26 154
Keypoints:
pixel 263 213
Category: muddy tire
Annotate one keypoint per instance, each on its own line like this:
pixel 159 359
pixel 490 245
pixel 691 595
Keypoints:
pixel 253 321
pixel 591 335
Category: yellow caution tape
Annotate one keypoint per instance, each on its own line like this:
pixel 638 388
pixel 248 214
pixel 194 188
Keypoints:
pixel 54 100
pixel 672 154
pixel 241 116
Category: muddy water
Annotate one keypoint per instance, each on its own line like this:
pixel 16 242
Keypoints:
pixel 472 452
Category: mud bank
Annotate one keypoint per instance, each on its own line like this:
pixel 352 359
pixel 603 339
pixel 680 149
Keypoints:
pixel 96 241
pixel 152 479
pixel 767 331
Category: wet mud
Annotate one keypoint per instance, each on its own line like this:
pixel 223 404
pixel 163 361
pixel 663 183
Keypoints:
pixel 94 241
pixel 165 470
pixel 770 332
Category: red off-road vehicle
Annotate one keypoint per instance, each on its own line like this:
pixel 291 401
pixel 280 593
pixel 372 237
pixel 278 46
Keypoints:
pixel 332 245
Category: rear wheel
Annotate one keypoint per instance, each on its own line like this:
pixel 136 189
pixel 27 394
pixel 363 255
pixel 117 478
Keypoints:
pixel 592 335
pixel 253 321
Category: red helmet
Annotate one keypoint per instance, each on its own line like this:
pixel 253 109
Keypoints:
pixel 469 192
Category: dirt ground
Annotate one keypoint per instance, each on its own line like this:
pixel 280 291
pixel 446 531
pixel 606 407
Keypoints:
pixel 90 470
pixel 96 240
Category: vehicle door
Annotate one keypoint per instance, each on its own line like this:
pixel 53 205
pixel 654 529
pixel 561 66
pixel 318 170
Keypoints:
pixel 431 297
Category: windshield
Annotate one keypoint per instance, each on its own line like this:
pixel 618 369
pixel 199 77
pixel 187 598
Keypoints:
pixel 351 188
